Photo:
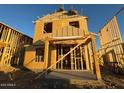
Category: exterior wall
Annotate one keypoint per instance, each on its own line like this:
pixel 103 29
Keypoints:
pixel 111 43
pixel 58 25
pixel 38 32
pixel 60 28
pixel 12 53
pixel 30 59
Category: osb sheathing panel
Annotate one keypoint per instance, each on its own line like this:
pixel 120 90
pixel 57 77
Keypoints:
pixel 29 59
pixel 60 27
pixel 38 31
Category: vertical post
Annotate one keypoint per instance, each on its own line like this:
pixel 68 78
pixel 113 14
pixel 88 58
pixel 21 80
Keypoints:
pixel 86 57
pixel 46 52
pixel 89 56
pixel 60 57
pixel 6 47
pixel 7 41
pixel 8 36
pixel 72 63
pixel 75 59
pixel 57 56
pixel 95 58
pixel 53 56
pixel 81 51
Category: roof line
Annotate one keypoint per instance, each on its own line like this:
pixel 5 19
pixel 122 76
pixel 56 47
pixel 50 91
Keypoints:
pixel 14 29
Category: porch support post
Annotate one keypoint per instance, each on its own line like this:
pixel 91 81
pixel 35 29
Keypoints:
pixel 90 58
pixel 86 57
pixel 46 52
pixel 53 56
pixel 95 58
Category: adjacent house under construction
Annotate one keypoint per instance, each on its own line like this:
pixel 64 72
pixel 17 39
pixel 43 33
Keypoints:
pixel 12 45
pixel 111 52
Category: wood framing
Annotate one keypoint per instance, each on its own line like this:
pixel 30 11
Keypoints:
pixel 46 52
pixel 111 50
pixel 12 45
pixel 66 41
pixel 95 58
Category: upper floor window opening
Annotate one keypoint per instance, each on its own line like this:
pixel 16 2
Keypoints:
pixel 74 23
pixel 48 27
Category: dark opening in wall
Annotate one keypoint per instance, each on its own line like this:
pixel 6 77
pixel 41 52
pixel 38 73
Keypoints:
pixel 39 54
pixel 1 30
pixel 123 46
pixel 1 52
pixel 74 23
pixel 48 27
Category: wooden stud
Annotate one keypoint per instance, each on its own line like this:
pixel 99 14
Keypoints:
pixel 57 56
pixel 89 57
pixel 53 56
pixel 46 52
pixel 72 61
pixel 86 58
pixel 61 56
pixel 81 51
pixel 75 59
pixel 95 58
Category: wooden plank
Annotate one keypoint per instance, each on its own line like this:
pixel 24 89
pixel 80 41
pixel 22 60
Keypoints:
pixel 89 57
pixel 81 51
pixel 53 56
pixel 69 38
pixel 86 57
pixel 46 52
pixel 75 60
pixel 95 58
pixel 72 67
pixel 58 56
pixel 61 56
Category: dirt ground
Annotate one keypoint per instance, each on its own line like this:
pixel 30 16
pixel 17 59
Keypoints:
pixel 111 79
pixel 25 80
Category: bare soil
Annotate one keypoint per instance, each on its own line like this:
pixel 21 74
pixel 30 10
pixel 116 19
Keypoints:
pixel 21 79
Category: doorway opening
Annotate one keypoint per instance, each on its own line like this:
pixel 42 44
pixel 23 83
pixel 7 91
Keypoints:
pixel 73 61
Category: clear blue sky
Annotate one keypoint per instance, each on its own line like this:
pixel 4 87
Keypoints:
pixel 21 16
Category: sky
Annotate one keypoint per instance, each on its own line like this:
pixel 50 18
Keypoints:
pixel 20 16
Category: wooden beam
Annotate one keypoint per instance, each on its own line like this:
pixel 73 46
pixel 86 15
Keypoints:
pixel 75 62
pixel 68 38
pixel 89 57
pixel 61 56
pixel 81 51
pixel 72 61
pixel 46 52
pixel 86 57
pixel 53 56
pixel 96 62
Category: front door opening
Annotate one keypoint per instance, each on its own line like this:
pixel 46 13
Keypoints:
pixel 73 61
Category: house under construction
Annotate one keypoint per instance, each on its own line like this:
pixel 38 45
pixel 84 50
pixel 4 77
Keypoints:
pixel 12 45
pixel 111 52
pixel 62 41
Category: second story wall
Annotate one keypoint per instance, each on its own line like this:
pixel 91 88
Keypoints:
pixel 49 26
